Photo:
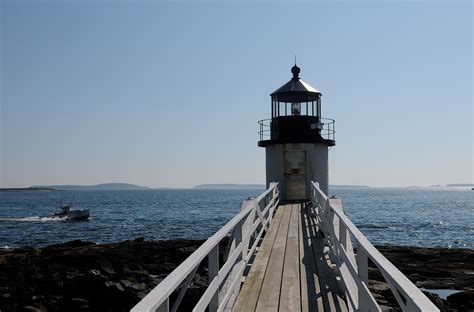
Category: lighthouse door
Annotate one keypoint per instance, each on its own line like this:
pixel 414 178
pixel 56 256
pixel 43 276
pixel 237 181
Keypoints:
pixel 295 175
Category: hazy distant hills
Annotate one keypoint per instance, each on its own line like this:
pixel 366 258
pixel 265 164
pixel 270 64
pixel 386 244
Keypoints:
pixel 230 186
pixel 97 187
pixel 348 185
pixel 128 186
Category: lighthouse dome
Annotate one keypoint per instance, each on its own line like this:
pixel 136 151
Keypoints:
pixel 296 88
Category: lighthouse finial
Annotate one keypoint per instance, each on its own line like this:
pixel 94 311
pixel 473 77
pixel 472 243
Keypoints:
pixel 295 70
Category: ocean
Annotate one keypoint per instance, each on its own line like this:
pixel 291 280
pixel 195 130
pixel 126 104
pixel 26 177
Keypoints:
pixel 424 217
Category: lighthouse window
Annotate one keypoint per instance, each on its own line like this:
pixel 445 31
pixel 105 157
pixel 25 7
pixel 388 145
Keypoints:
pixel 296 109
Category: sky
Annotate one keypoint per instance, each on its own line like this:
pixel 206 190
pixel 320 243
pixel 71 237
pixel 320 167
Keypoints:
pixel 168 93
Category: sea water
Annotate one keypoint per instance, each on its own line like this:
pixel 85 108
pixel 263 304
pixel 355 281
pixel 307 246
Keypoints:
pixel 425 217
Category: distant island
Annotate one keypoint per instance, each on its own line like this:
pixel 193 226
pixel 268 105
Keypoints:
pixel 343 185
pixel 97 187
pixel 28 189
pixel 461 184
pixel 230 186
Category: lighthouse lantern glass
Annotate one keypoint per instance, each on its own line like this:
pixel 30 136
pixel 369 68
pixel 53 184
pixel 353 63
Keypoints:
pixel 296 109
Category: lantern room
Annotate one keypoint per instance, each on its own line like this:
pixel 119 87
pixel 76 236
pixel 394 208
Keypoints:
pixel 296 115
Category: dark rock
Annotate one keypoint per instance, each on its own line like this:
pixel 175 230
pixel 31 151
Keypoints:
pixel 431 268
pixel 139 286
pixel 141 295
pixel 107 268
pixel 438 301
pixel 114 287
pixel 463 299
pixel 30 309
pixel 78 304
pixel 74 244
pixel 134 267
pixel 126 283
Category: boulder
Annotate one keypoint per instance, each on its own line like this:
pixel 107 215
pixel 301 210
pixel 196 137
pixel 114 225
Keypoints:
pixel 464 300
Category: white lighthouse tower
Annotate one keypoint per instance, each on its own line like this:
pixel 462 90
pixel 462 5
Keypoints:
pixel 296 139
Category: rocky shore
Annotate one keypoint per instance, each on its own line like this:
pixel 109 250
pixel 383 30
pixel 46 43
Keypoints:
pixel 84 276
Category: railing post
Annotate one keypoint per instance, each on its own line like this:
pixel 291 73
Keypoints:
pixel 362 270
pixel 238 238
pixel 342 238
pixel 213 271
pixel 362 264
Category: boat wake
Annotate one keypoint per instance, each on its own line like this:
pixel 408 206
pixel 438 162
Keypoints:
pixel 34 219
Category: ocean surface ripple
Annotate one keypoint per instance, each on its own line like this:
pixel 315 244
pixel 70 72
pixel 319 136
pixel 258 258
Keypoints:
pixel 425 217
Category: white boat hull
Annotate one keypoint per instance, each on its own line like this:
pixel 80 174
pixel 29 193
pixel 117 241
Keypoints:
pixel 74 214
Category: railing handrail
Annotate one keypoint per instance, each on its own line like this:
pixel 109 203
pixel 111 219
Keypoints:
pixel 413 298
pixel 158 298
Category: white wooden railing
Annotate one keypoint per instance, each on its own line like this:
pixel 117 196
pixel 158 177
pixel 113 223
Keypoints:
pixel 246 230
pixel 339 232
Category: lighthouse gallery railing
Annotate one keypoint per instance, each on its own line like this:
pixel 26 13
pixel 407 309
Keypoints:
pixel 326 128
pixel 353 268
pixel 246 230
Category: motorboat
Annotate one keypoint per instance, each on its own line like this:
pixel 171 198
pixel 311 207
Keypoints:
pixel 72 214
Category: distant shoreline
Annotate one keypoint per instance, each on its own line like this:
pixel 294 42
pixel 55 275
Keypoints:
pixel 29 189
pixel 217 186
pixel 229 186
pixel 96 187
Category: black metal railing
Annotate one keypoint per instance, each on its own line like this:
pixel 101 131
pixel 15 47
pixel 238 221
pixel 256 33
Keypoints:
pixel 326 127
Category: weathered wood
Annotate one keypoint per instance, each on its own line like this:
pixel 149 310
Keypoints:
pixel 229 291
pixel 311 298
pixel 406 293
pixel 290 281
pixel 213 271
pixel 270 293
pixel 248 296
pixel 305 265
pixel 290 297
pixel 330 292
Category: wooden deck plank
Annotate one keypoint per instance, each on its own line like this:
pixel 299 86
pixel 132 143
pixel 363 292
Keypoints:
pixel 270 293
pixel 331 293
pixel 291 272
pixel 290 295
pixel 248 296
pixel 311 298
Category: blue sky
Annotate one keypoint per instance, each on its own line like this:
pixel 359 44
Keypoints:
pixel 169 93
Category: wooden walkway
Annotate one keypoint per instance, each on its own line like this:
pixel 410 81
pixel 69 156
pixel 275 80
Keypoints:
pixel 291 272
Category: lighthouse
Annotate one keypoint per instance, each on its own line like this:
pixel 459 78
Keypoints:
pixel 296 139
